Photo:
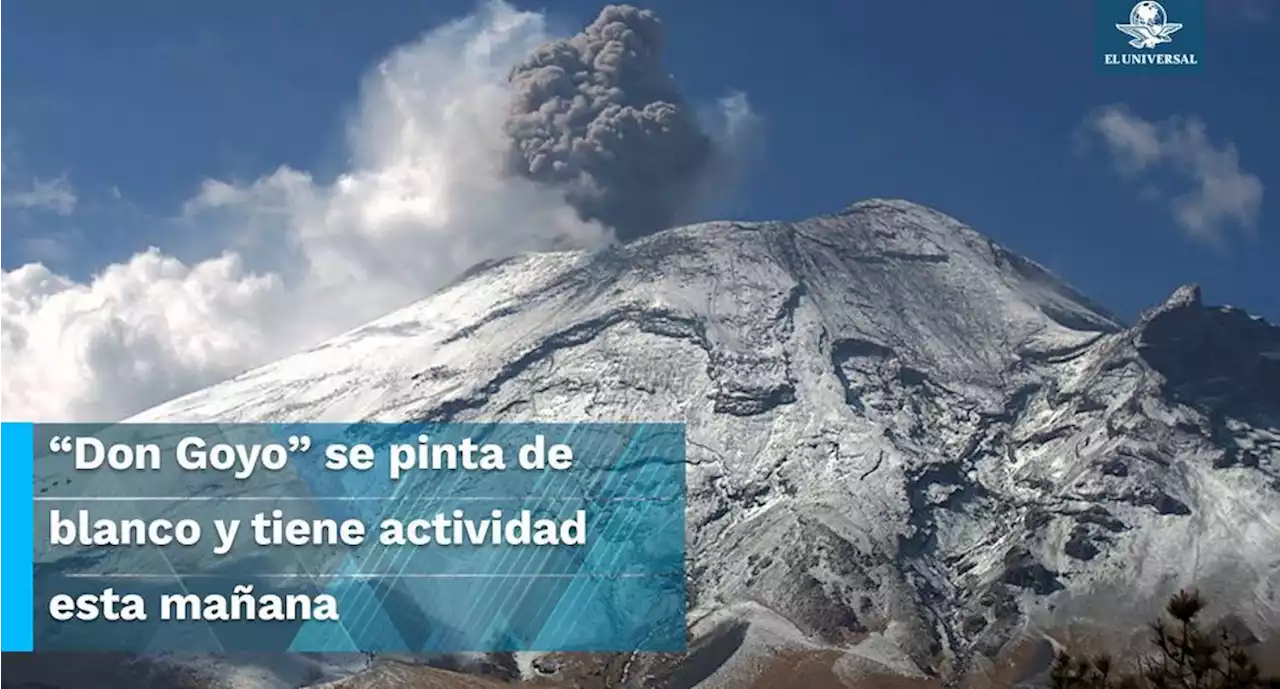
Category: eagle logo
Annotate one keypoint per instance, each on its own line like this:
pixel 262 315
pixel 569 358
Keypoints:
pixel 1148 25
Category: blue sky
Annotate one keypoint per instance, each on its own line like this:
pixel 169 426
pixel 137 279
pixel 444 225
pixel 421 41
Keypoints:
pixel 980 109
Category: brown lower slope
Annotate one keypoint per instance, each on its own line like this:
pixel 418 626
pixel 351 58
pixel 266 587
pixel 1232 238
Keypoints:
pixel 396 675
pixel 818 670
pixel 1021 664
pixel 93 671
pixel 718 659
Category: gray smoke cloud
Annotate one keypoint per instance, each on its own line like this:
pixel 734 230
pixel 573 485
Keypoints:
pixel 291 258
pixel 597 116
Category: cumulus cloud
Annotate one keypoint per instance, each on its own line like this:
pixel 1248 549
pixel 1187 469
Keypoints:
pixel 429 192
pixel 1216 195
pixel 598 116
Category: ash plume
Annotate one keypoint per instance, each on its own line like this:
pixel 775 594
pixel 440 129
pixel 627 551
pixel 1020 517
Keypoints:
pixel 289 259
pixel 597 116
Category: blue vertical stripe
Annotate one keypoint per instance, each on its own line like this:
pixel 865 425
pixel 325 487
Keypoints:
pixel 17 539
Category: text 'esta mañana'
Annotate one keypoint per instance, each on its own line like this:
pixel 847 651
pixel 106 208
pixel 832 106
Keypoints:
pixel 242 604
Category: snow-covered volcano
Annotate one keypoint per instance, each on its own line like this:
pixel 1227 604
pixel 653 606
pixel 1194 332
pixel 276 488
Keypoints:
pixel 912 452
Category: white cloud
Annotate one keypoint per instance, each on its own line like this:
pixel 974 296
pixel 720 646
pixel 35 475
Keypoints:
pixel 33 194
pixel 738 133
pixel 424 198
pixel 1216 196
pixel 54 195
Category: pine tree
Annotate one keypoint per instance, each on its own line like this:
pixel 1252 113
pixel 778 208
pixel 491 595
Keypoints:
pixel 1185 657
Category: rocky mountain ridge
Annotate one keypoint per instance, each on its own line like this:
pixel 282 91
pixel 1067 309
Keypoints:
pixel 913 454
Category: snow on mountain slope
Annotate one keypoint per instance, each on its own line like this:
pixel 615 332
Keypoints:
pixel 888 271
pixel 907 445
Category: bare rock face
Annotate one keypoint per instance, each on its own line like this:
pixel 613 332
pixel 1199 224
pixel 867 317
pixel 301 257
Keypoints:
pixel 914 455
